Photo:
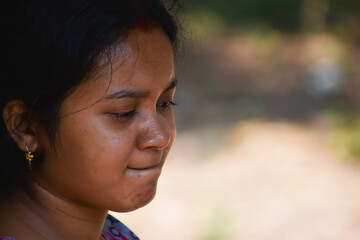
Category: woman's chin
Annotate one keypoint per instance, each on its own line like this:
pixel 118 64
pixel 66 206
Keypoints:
pixel 137 200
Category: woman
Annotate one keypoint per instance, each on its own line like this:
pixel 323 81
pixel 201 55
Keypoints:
pixel 86 95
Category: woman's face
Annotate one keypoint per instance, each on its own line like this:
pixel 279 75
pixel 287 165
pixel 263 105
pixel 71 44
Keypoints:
pixel 115 129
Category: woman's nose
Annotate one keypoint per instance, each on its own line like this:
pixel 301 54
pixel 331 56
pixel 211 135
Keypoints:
pixel 154 134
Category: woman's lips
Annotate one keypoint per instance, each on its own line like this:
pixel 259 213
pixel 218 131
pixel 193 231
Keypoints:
pixel 152 173
pixel 158 165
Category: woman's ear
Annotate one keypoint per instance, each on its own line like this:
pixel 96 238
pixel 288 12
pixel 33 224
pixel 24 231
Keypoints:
pixel 20 129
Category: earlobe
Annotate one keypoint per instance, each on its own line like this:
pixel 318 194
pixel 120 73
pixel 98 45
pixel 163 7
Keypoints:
pixel 19 128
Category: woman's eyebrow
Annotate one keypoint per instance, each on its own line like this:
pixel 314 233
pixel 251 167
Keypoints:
pixel 172 85
pixel 129 93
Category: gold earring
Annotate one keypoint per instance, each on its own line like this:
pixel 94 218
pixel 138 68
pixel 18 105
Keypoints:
pixel 28 156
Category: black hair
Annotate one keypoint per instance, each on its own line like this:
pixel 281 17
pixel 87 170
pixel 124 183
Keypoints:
pixel 49 46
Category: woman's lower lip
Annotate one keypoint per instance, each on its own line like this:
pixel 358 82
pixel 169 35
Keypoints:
pixel 146 168
pixel 137 172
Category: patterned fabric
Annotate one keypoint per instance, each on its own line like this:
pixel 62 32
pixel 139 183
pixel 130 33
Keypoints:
pixel 113 230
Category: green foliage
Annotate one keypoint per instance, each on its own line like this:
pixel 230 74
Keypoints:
pixel 218 225
pixel 204 24
pixel 340 9
pixel 345 132
pixel 283 15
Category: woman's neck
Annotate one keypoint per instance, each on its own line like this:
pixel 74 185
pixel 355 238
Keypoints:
pixel 55 218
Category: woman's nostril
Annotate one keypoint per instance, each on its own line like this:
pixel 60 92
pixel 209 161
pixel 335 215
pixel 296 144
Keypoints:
pixel 155 135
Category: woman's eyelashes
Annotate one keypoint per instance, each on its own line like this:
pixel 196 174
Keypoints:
pixel 124 116
pixel 162 106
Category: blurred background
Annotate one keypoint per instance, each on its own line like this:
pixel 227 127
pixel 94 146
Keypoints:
pixel 268 120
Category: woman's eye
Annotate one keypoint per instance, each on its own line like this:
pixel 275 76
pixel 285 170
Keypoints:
pixel 123 116
pixel 165 105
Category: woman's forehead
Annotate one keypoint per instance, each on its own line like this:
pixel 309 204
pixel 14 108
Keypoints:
pixel 144 61
pixel 146 54
pixel 149 46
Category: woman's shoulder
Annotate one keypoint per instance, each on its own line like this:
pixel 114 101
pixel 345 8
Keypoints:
pixel 114 229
